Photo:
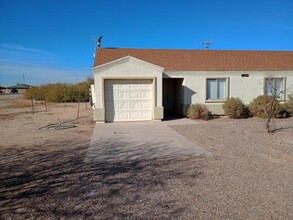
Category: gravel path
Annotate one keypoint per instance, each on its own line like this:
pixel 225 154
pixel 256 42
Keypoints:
pixel 247 174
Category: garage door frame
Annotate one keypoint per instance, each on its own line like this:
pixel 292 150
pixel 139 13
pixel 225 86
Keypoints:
pixel 153 90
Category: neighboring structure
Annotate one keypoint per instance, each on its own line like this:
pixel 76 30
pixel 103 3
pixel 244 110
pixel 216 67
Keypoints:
pixel 142 84
pixel 19 88
pixel 2 89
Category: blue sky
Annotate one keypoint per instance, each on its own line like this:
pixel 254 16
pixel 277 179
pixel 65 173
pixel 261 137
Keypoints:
pixel 51 41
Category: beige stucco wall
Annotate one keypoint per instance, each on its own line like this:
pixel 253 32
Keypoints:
pixel 193 88
pixel 127 68
pixel 246 88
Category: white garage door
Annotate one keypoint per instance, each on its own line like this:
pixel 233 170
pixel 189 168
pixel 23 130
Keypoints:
pixel 128 100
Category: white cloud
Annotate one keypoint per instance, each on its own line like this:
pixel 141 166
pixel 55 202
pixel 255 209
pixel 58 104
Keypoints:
pixel 39 67
pixel 36 75
pixel 18 48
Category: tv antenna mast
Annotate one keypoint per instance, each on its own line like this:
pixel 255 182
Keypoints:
pixel 207 44
pixel 97 44
pixel 99 41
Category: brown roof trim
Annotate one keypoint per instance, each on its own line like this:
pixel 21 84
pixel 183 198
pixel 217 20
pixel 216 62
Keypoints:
pixel 203 60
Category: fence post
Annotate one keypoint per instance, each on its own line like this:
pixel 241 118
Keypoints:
pixel 78 105
pixel 33 110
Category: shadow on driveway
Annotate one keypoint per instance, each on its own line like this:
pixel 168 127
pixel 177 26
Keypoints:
pixel 59 184
pixel 138 141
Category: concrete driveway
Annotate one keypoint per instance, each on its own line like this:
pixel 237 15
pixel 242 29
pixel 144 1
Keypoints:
pixel 138 140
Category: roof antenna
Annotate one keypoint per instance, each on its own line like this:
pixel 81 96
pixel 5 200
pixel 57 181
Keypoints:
pixel 99 41
pixel 207 44
pixel 97 44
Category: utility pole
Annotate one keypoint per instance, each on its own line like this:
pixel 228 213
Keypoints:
pixel 23 81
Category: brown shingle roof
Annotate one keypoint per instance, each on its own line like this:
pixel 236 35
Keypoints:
pixel 207 60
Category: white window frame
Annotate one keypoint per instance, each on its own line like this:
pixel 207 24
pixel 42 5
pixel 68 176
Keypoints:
pixel 282 95
pixel 226 89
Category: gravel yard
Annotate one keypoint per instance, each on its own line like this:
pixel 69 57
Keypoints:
pixel 246 175
pixel 249 174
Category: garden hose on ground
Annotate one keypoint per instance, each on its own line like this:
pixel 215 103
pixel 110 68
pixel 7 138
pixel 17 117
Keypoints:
pixel 62 125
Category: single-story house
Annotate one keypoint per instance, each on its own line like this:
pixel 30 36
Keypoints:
pixel 19 88
pixel 143 84
pixel 2 89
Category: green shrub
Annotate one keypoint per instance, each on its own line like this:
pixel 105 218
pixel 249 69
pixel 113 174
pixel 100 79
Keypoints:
pixel 61 92
pixel 234 108
pixel 258 105
pixel 198 111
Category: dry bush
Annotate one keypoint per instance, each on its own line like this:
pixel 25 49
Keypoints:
pixel 269 103
pixel 289 105
pixel 198 111
pixel 234 108
pixel 37 93
pixel 61 92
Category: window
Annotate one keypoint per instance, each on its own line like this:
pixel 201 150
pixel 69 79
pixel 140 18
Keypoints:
pixel 216 89
pixel 274 87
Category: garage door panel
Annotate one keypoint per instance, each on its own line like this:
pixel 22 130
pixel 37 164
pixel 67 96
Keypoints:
pixel 121 116
pixel 128 100
pixel 134 115
pixel 145 95
pixel 121 95
pixel 145 105
pixel 134 95
pixel 145 115
pixel 133 105
pixel 121 106
pixel 134 86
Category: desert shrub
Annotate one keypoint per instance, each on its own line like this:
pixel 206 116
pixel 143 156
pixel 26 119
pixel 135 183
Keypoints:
pixel 57 93
pixel 246 112
pixel 198 111
pixel 38 93
pixel 289 105
pixel 61 92
pixel 271 104
pixel 234 108
pixel 284 111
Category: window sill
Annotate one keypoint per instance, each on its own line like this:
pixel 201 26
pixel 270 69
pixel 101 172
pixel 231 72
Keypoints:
pixel 215 100
pixel 280 99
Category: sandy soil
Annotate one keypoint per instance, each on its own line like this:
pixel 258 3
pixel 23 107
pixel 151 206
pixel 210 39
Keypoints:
pixel 247 175
pixel 20 127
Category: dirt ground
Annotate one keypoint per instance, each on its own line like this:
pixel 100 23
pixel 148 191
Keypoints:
pixel 248 173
